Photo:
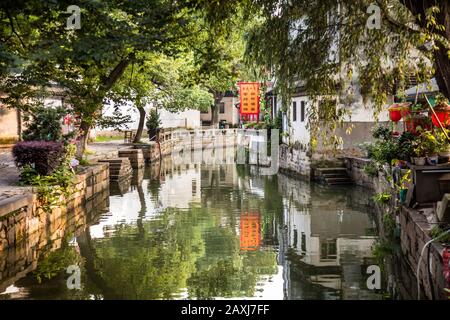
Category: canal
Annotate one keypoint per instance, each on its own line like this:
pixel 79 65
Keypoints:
pixel 212 231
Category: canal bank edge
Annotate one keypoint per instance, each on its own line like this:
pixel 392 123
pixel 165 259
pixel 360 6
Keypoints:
pixel 414 233
pixel 23 219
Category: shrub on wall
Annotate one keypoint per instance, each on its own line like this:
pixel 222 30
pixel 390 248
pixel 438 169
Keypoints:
pixel 43 156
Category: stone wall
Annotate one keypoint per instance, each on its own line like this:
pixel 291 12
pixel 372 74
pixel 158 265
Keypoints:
pixel 22 217
pixel 414 225
pixel 294 161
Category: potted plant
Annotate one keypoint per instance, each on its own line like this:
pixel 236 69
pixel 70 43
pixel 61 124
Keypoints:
pixel 153 123
pixel 403 188
pixel 443 148
pixel 441 112
pixel 425 148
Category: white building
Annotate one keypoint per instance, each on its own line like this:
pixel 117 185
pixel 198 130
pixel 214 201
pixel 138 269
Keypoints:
pixel 227 111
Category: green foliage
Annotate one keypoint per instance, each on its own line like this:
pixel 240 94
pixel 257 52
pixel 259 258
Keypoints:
pixel 382 133
pixel 55 262
pixel 52 189
pixel 426 144
pixel 44 123
pixel 437 231
pixel 443 144
pixel 387 148
pixel 371 169
pixel 381 250
pixel 405 179
pixel 389 223
pixel 382 198
pixel 328 47
pixel 153 120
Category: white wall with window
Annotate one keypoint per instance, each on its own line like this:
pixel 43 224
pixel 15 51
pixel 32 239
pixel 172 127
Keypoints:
pixel 298 115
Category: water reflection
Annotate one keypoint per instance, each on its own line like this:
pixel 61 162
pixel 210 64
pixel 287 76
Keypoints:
pixel 215 231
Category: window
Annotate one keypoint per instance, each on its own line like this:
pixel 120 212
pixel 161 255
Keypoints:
pixel 222 108
pixel 328 249
pixel 294 244
pixel 294 111
pixel 303 242
pixel 194 188
pixel 302 111
pixel 274 106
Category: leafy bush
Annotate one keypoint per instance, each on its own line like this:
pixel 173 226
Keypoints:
pixel 51 187
pixel 384 151
pixel 42 156
pixel 44 123
pixel 371 169
pixel 382 133
pixel 153 123
pixel 406 146
pixel 382 198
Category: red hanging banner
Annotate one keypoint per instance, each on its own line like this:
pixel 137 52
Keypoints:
pixel 249 98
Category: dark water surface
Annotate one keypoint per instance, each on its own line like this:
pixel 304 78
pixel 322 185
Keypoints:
pixel 213 231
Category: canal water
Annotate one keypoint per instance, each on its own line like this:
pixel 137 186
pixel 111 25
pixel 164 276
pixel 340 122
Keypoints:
pixel 212 232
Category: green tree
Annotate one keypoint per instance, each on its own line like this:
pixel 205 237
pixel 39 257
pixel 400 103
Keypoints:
pixel 87 62
pixel 325 46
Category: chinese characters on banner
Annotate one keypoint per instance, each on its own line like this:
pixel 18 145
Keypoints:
pixel 250 231
pixel 249 100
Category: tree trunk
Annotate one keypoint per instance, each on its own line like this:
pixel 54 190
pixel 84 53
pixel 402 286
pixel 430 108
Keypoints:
pixel 82 139
pixel 215 109
pixel 140 128
pixel 107 84
pixel 441 59
pixel 214 115
pixel 19 123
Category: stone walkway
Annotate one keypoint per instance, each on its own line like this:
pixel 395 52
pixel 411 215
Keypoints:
pixel 9 175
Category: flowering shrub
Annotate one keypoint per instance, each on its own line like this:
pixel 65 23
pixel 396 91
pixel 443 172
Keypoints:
pixel 43 156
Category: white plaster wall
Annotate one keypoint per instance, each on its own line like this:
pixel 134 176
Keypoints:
pixel 168 119
pixel 298 131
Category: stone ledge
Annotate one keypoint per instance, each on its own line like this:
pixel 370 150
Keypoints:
pixel 14 203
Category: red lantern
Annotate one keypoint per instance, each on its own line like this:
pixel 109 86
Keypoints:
pixel 443 114
pixel 395 113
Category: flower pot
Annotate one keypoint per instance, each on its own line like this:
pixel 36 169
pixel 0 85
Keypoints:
pixel 419 161
pixel 402 194
pixel 433 160
pixel 443 114
pixel 414 121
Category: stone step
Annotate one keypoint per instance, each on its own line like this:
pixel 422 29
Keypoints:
pixel 334 175
pixel 340 183
pixel 320 171
pixel 340 179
